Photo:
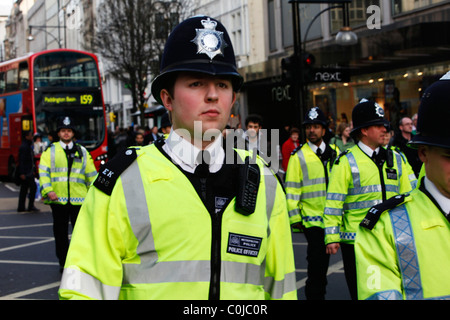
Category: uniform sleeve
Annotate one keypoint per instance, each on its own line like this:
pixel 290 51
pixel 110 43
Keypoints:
pixel 408 179
pixel 293 189
pixel 91 170
pixel 377 270
pixel 340 179
pixel 280 280
pixel 44 173
pixel 93 267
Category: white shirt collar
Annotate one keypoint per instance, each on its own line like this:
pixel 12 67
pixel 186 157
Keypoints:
pixel 443 201
pixel 185 154
pixel 63 145
pixel 366 149
pixel 314 147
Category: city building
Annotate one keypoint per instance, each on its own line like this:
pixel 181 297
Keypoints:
pixel 402 47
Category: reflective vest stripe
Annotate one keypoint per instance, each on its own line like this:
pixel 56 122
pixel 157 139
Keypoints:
pixel 387 295
pixel 407 253
pixel 152 271
pixel 86 284
pixel 306 181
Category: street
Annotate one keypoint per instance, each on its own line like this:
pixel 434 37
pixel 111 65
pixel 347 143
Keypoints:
pixel 29 269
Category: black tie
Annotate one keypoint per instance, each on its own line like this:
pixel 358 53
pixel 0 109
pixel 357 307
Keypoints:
pixel 374 157
pixel 203 159
pixel 319 153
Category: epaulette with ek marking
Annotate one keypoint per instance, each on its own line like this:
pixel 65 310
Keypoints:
pixel 110 172
pixel 375 212
pixel 296 149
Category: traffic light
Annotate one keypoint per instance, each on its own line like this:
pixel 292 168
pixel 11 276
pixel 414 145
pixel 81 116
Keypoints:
pixel 112 117
pixel 308 63
pixel 289 66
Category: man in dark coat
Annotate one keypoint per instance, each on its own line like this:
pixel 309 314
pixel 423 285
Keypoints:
pixel 27 170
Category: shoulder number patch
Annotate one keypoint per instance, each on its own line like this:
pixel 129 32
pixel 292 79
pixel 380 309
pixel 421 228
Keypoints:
pixel 110 172
pixel 375 212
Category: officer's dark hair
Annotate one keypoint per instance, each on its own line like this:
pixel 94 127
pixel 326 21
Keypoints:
pixel 253 118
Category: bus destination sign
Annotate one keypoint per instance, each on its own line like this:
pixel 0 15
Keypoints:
pixel 68 99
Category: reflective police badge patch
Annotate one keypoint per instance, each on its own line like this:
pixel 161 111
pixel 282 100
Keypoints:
pixel 313 114
pixel 208 40
pixel 243 245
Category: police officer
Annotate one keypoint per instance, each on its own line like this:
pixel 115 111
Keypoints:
pixel 306 185
pixel 403 246
pixel 362 176
pixel 167 221
pixel 66 170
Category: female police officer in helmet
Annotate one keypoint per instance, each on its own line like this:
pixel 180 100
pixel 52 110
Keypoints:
pixel 162 221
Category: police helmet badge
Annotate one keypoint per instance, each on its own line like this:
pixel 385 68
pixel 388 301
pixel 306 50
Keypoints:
pixel 66 121
pixel 313 114
pixel 208 40
pixel 379 110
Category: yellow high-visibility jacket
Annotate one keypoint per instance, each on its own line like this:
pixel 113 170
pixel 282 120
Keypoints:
pixel 306 186
pixel 152 238
pixel 407 253
pixel 357 184
pixel 54 174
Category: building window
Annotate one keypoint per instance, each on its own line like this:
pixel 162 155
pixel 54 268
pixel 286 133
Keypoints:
pixel 402 6
pixel 357 13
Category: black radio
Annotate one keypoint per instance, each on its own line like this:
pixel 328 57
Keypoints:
pixel 248 184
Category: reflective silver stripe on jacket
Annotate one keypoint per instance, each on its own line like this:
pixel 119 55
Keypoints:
pixel 407 253
pixel 306 181
pixel 152 271
pixel 53 167
pixel 85 284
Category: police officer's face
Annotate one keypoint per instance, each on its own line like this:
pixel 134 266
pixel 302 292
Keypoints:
pixel 199 97
pixel 374 136
pixel 66 135
pixel 437 167
pixel 315 133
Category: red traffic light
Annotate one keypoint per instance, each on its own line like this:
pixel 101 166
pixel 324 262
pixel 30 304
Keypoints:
pixel 308 59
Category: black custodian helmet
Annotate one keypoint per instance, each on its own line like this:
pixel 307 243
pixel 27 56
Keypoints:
pixel 433 118
pixel 198 44
pixel 315 115
pixel 66 123
pixel 368 113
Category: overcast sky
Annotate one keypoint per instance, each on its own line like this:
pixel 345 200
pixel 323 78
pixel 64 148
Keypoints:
pixel 5 7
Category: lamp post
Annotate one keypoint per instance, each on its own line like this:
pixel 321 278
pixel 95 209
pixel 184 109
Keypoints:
pixel 344 37
pixel 43 28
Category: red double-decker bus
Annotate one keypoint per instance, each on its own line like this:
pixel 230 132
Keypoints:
pixel 39 89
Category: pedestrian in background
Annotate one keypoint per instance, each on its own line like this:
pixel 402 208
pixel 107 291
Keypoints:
pixel 403 245
pixel 401 138
pixel 306 185
pixel 27 173
pixel 362 176
pixel 342 139
pixel 66 171
pixel 290 145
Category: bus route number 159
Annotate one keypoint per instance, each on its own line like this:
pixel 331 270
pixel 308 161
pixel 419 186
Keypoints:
pixel 86 99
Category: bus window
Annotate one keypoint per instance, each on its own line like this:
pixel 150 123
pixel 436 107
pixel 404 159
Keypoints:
pixel 11 80
pixel 2 82
pixel 24 76
pixel 68 69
